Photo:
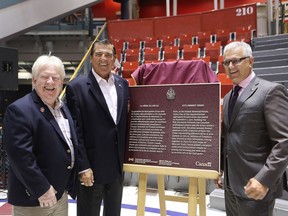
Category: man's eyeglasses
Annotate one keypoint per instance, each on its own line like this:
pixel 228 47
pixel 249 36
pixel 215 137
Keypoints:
pixel 234 61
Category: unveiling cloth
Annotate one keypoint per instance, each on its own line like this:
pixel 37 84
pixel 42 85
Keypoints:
pixel 176 72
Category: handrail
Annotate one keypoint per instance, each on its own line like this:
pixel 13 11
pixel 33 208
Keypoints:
pixel 83 59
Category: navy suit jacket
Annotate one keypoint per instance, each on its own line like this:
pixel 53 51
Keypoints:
pixel 101 140
pixel 37 151
pixel 256 138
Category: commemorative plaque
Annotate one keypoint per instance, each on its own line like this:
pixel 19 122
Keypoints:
pixel 174 126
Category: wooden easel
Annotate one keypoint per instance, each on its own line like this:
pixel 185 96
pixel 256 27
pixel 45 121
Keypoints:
pixel 197 179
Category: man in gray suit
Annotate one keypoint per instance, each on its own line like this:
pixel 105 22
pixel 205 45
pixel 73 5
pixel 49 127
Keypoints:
pixel 254 137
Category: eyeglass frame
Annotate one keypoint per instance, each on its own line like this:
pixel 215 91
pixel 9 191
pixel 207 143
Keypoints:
pixel 234 61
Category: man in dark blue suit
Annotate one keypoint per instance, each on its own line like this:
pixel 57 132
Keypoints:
pixel 39 137
pixel 99 103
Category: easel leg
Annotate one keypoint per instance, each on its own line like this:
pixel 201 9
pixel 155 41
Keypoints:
pixel 202 196
pixel 192 199
pixel 161 191
pixel 142 194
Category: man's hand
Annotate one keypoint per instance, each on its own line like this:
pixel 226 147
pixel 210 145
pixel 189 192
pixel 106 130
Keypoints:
pixel 48 199
pixel 87 178
pixel 218 182
pixel 255 190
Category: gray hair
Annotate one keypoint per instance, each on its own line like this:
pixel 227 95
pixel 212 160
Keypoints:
pixel 246 47
pixel 48 60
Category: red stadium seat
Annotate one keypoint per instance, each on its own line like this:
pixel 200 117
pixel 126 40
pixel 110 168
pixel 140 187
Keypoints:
pixel 133 43
pixel 132 55
pixel 128 68
pixel 171 53
pixel 223 35
pixel 185 39
pixel 151 54
pixel 190 51
pixel 167 40
pixel 203 38
pixel 205 59
pixel 213 50
pixel 245 34
pixel 220 67
pixel 150 42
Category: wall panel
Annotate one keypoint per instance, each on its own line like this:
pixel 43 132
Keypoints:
pixel 191 23
pixel 176 25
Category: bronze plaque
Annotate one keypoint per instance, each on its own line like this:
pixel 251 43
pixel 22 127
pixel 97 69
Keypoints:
pixel 175 126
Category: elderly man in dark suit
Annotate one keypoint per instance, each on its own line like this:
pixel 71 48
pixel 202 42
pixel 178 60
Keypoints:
pixel 39 137
pixel 99 103
pixel 254 137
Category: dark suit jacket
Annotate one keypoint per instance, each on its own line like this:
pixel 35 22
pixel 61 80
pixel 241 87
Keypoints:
pixel 101 141
pixel 256 139
pixel 37 151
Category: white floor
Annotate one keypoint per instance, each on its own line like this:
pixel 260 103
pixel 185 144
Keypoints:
pixel 129 204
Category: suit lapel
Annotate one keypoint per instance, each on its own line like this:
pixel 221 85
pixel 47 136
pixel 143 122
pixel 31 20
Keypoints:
pixel 46 113
pixel 71 124
pixel 225 106
pixel 96 91
pixel 247 93
pixel 120 96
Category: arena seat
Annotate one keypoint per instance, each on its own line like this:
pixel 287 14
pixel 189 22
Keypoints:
pixel 190 51
pixel 245 33
pixel 134 43
pixel 152 54
pixel 119 44
pixel 220 67
pixel 151 42
pixel 119 55
pixel 203 38
pixel 184 39
pixel 128 68
pixel 205 59
pixel 167 40
pixel 132 55
pixel 213 50
pixel 223 35
pixel 171 53
pixel 226 84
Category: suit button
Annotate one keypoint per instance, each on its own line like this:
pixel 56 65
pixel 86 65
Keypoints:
pixel 68 151
pixel 69 167
pixel 27 192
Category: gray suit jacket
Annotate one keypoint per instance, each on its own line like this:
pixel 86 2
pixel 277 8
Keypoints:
pixel 255 141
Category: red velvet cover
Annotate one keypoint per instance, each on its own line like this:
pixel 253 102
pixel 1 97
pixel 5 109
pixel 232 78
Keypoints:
pixel 176 72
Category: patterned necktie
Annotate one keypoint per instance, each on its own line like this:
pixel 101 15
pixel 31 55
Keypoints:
pixel 233 100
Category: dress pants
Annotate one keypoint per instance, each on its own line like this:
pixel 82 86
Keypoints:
pixel 89 199
pixel 59 209
pixel 238 206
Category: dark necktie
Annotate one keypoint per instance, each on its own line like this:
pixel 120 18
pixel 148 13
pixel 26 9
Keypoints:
pixel 233 100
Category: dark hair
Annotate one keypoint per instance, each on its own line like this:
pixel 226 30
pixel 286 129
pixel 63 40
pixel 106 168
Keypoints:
pixel 102 42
